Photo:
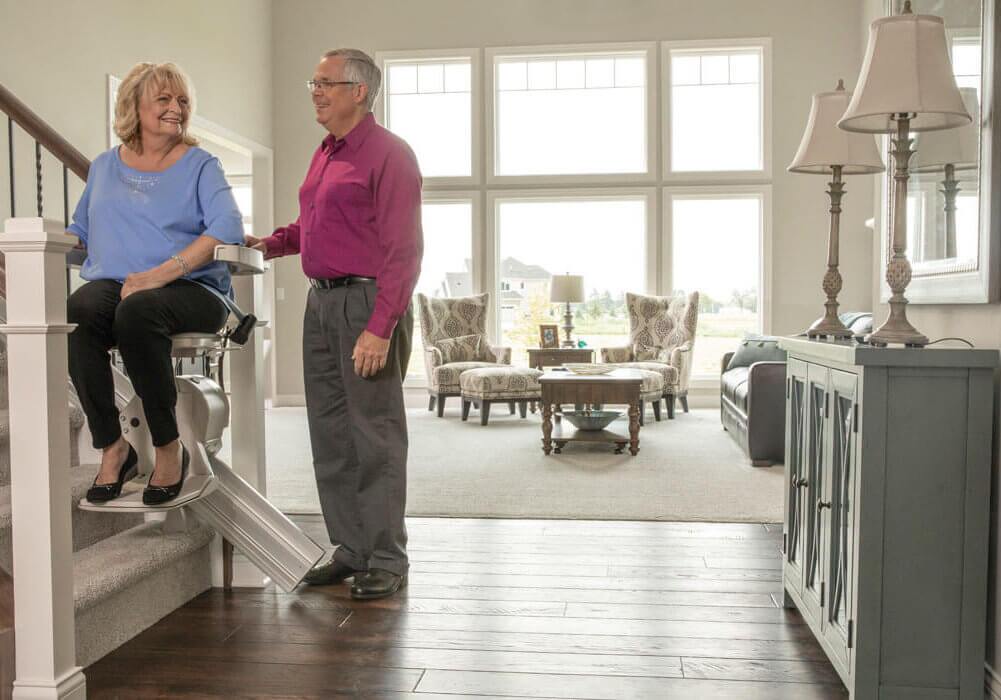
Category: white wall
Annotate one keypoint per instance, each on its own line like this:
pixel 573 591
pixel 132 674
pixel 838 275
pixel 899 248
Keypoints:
pixel 814 43
pixel 55 55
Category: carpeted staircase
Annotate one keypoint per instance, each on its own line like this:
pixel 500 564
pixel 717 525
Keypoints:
pixel 127 573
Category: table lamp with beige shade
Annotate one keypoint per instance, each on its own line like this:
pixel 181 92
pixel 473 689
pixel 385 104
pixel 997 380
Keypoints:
pixel 567 289
pixel 906 85
pixel 949 152
pixel 828 150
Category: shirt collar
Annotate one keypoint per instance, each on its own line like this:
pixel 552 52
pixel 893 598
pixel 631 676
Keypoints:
pixel 353 139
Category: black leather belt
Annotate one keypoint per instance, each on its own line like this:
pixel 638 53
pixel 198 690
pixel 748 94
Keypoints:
pixel 335 282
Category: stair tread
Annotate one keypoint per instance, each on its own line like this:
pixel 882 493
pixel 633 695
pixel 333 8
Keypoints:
pixel 118 562
pixel 80 480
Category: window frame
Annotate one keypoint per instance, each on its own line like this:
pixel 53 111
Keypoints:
pixel 764 191
pixel 476 232
pixel 649 48
pixel 384 58
pixel 651 245
pixel 717 176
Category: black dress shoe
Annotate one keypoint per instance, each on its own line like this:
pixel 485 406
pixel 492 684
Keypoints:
pixel 158 495
pixel 377 583
pixel 102 493
pixel 332 571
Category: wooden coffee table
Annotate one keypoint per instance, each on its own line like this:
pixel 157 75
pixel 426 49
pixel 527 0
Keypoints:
pixel 620 386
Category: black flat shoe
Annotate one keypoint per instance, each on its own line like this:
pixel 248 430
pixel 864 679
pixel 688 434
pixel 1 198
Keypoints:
pixel 377 583
pixel 158 495
pixel 102 493
pixel 331 572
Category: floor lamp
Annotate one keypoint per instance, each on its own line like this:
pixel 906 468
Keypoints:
pixel 906 85
pixel 828 150
pixel 948 152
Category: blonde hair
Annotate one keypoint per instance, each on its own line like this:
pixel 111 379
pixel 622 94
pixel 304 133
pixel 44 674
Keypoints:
pixel 145 79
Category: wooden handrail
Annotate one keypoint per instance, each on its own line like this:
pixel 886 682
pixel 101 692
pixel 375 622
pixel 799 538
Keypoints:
pixel 44 134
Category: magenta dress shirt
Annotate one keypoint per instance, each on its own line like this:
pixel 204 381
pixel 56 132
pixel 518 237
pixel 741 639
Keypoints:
pixel 360 214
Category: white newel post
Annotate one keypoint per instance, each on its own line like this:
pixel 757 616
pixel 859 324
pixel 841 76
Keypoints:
pixel 36 331
pixel 246 418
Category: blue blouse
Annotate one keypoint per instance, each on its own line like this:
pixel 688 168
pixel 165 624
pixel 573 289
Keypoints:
pixel 132 221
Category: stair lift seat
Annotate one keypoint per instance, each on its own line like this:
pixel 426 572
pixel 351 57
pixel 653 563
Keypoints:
pixel 215 493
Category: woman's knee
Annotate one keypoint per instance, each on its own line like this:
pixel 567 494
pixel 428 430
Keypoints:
pixel 86 306
pixel 138 318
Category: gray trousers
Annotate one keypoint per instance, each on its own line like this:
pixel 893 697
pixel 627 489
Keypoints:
pixel 358 429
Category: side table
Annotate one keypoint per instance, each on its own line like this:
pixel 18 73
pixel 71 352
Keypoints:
pixel 540 358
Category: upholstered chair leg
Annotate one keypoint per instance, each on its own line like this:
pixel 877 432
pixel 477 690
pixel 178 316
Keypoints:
pixel 669 400
pixel 656 410
pixel 523 408
pixel 441 406
pixel 511 406
pixel 431 402
pixel 484 412
pixel 466 404
pixel 684 402
pixel 532 406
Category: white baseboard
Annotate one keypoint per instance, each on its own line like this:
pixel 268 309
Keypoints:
pixel 992 683
pixel 281 400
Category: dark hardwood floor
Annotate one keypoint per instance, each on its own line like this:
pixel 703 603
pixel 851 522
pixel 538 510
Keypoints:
pixel 504 609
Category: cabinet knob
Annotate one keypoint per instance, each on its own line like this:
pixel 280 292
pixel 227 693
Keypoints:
pixel 823 504
pixel 800 483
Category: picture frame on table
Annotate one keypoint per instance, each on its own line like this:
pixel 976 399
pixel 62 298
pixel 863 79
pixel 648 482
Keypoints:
pixel 549 335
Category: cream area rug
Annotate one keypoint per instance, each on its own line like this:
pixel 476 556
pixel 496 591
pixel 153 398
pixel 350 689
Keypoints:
pixel 688 469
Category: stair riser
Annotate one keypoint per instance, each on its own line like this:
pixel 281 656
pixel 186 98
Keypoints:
pixel 89 528
pixel 120 617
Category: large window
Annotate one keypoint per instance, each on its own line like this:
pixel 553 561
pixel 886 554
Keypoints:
pixel 565 161
pixel 429 104
pixel 575 114
pixel 604 239
pixel 446 270
pixel 717 119
pixel 716 251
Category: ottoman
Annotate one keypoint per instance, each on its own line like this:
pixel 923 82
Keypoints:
pixel 652 391
pixel 512 385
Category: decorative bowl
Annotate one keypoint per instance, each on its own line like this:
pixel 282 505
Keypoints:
pixel 588 368
pixel 591 420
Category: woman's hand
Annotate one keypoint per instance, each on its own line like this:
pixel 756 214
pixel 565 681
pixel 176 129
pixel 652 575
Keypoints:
pixel 254 242
pixel 141 281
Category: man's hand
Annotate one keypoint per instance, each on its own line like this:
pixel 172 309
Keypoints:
pixel 255 243
pixel 141 281
pixel 370 354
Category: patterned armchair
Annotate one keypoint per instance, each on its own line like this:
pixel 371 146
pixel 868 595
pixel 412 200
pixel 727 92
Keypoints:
pixel 661 336
pixel 455 340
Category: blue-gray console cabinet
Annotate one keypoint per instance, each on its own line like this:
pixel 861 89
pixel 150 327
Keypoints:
pixel 887 488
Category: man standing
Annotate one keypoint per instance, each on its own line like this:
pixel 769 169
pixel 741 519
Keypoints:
pixel 359 234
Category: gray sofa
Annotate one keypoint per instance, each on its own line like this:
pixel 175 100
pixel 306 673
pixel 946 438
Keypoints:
pixel 752 393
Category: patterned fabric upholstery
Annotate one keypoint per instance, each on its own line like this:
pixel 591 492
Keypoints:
pixel 465 348
pixel 453 317
pixel 445 378
pixel 667 373
pixel 652 387
pixel 501 384
pixel 662 328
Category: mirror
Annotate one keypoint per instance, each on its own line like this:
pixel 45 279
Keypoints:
pixel 949 240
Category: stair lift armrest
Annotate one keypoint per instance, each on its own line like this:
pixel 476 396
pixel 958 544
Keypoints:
pixel 241 260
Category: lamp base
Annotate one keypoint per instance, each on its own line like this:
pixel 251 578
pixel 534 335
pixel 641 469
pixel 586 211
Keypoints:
pixel 897 329
pixel 568 328
pixel 827 328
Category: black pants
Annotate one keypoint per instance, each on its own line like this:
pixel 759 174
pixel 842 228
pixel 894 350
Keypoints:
pixel 140 326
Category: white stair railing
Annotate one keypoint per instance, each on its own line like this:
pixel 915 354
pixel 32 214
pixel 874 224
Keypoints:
pixel 36 331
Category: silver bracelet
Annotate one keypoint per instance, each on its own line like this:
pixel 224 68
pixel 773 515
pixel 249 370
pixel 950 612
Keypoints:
pixel 185 270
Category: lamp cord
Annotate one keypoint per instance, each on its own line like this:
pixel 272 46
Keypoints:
pixel 961 340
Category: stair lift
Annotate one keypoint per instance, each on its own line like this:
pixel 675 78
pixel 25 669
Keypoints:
pixel 212 491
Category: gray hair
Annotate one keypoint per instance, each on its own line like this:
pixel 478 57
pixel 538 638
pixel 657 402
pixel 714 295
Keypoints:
pixel 360 68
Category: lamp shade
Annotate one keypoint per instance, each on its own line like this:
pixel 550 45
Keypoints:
pixel 906 71
pixel 957 147
pixel 824 145
pixel 566 288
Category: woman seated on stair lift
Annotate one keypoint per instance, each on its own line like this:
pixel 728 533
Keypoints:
pixel 150 217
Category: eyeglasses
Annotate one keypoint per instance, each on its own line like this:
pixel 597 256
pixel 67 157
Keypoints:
pixel 312 85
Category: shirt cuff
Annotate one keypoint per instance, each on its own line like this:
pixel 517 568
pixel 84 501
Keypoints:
pixel 381 325
pixel 274 248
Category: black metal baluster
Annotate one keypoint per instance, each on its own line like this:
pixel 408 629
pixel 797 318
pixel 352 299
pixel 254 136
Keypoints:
pixel 66 200
pixel 38 175
pixel 10 156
